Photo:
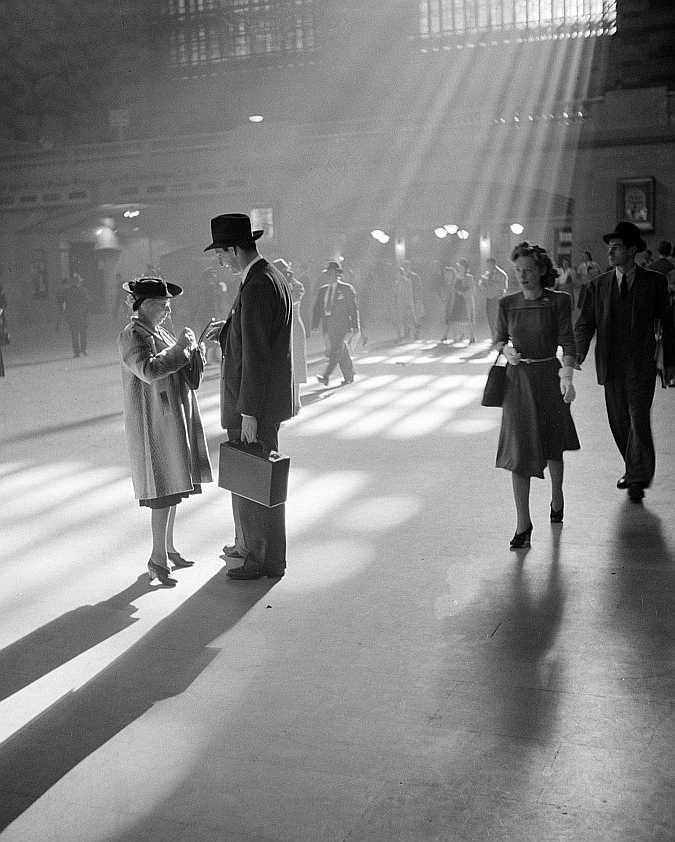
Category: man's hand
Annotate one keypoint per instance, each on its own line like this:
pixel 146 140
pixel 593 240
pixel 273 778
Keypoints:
pixel 249 429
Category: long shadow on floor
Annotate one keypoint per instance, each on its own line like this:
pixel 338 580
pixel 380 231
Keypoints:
pixel 641 594
pixel 163 664
pixel 66 637
pixel 506 676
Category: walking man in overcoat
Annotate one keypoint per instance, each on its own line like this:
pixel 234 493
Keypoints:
pixel 626 307
pixel 256 392
pixel 336 310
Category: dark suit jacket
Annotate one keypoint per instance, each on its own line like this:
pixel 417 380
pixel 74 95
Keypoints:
pixel 256 372
pixel 650 302
pixel 342 316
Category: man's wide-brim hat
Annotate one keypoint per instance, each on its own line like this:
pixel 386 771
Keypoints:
pixel 231 229
pixel 629 234
pixel 152 288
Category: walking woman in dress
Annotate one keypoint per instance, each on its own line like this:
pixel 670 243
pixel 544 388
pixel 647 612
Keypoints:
pixel 537 425
pixel 167 446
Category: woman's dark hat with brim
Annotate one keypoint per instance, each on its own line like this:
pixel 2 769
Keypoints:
pixel 629 234
pixel 231 229
pixel 152 288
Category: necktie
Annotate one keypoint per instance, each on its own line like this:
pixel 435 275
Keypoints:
pixel 623 286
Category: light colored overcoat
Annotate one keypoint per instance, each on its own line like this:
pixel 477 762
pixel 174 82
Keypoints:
pixel 167 445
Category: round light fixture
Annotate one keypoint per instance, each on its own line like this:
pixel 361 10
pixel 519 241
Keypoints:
pixel 380 236
pixel 441 233
pixel 451 229
pixel 517 228
pixel 463 234
pixel 256 118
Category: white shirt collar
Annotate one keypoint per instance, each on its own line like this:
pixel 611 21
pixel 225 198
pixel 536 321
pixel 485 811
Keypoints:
pixel 630 274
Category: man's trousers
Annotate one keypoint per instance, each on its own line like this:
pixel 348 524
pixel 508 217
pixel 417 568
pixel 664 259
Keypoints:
pixel 261 530
pixel 629 393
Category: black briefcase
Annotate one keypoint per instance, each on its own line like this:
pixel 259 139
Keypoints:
pixel 251 472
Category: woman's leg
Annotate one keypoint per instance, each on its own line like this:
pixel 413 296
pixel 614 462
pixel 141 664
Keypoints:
pixel 556 470
pixel 170 546
pixel 159 519
pixel 521 496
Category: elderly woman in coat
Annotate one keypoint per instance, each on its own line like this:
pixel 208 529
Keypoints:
pixel 167 446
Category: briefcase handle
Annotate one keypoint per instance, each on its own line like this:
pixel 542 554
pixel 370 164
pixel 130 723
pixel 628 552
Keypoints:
pixel 255 447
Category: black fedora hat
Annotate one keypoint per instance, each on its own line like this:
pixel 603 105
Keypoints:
pixel 629 234
pixel 333 266
pixel 148 287
pixel 231 229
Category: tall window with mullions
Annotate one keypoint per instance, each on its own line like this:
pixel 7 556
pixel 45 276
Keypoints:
pixel 448 18
pixel 208 32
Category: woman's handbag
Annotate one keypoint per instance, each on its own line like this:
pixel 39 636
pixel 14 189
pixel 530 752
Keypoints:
pixel 493 393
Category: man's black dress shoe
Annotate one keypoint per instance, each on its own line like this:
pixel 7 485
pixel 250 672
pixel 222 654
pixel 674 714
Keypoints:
pixel 635 492
pixel 231 551
pixel 622 483
pixel 252 571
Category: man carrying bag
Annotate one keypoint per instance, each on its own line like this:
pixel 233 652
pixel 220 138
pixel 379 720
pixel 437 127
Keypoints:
pixel 256 390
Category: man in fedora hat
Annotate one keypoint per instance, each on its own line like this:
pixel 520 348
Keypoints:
pixel 256 389
pixel 625 307
pixel 336 310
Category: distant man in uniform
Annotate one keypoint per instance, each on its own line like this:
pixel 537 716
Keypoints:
pixel 336 311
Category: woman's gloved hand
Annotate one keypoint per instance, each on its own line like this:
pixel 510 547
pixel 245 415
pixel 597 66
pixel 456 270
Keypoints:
pixel 187 339
pixel 512 356
pixel 567 389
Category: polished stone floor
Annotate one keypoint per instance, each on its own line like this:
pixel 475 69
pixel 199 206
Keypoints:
pixel 409 679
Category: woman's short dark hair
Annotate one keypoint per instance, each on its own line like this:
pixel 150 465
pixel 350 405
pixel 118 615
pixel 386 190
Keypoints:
pixel 541 258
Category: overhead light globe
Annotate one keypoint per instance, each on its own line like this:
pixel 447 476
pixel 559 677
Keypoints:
pixel 451 229
pixel 380 236
pixel 463 234
pixel 517 228
pixel 256 118
pixel 441 233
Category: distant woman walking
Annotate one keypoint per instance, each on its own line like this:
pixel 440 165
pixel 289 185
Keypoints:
pixel 167 446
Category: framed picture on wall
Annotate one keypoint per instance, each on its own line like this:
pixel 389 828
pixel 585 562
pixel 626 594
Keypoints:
pixel 635 202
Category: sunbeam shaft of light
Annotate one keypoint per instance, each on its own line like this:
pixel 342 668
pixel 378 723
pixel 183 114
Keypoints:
pixel 317 498
pixel 50 496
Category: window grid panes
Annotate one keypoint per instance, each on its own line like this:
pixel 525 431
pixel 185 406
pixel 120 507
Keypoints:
pixel 207 32
pixel 439 18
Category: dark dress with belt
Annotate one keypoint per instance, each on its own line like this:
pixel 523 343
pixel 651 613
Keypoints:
pixel 536 423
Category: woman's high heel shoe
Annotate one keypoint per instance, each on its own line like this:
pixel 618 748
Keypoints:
pixel 158 571
pixel 178 561
pixel 557 514
pixel 521 540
